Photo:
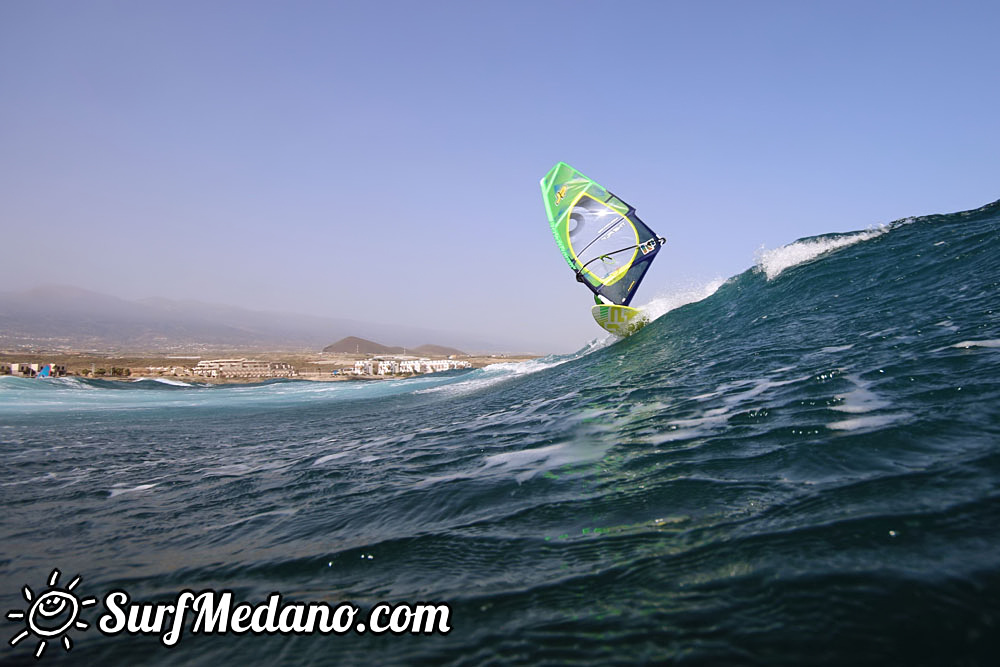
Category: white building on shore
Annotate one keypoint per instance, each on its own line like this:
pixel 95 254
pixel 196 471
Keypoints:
pixel 402 365
pixel 243 368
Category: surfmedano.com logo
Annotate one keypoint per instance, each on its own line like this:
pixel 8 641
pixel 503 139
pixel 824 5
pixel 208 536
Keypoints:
pixel 51 614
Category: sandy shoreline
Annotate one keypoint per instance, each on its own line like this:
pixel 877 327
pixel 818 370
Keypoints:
pixel 176 365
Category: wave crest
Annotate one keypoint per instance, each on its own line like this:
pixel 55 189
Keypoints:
pixel 773 262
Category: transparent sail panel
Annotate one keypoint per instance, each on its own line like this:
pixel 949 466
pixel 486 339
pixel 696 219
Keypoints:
pixel 603 241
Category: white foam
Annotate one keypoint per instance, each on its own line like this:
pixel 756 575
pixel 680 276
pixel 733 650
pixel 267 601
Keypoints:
pixel 687 429
pixel 744 398
pixel 773 262
pixel 966 344
pixel 70 382
pixel 664 303
pixel 869 421
pixel 860 399
pixel 136 489
pixel 526 463
pixel 172 383
pixel 47 477
pixel 330 457
pixel 495 373
pixel 883 333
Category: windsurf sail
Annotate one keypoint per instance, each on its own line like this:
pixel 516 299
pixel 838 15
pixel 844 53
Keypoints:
pixel 601 237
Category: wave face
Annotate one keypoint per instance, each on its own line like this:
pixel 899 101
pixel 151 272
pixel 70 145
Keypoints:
pixel 802 467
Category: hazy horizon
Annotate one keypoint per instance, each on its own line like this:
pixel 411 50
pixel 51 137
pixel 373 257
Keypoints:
pixel 66 317
pixel 380 161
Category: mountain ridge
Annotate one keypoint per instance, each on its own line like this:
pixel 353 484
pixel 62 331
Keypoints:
pixel 357 345
pixel 62 316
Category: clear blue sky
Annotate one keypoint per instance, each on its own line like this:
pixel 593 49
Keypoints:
pixel 381 159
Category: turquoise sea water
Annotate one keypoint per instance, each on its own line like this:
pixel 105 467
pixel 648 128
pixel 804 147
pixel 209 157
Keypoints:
pixel 801 468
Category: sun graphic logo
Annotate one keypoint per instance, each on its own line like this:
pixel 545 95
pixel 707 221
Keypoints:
pixel 51 615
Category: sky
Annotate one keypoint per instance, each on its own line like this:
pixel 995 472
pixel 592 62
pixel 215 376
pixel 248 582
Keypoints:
pixel 380 160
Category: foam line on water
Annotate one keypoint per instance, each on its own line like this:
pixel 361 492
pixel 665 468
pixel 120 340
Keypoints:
pixel 136 489
pixel 861 399
pixel 167 381
pixel 966 344
pixel 868 422
pixel 773 262
pixel 495 373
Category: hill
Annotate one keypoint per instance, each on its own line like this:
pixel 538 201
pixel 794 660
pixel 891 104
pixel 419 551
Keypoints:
pixel 437 351
pixel 355 345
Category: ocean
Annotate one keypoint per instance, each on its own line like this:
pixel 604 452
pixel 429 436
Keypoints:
pixel 802 466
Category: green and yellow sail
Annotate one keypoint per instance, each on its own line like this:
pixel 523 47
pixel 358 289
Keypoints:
pixel 604 242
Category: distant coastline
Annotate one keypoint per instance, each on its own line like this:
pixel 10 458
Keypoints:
pixel 179 365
